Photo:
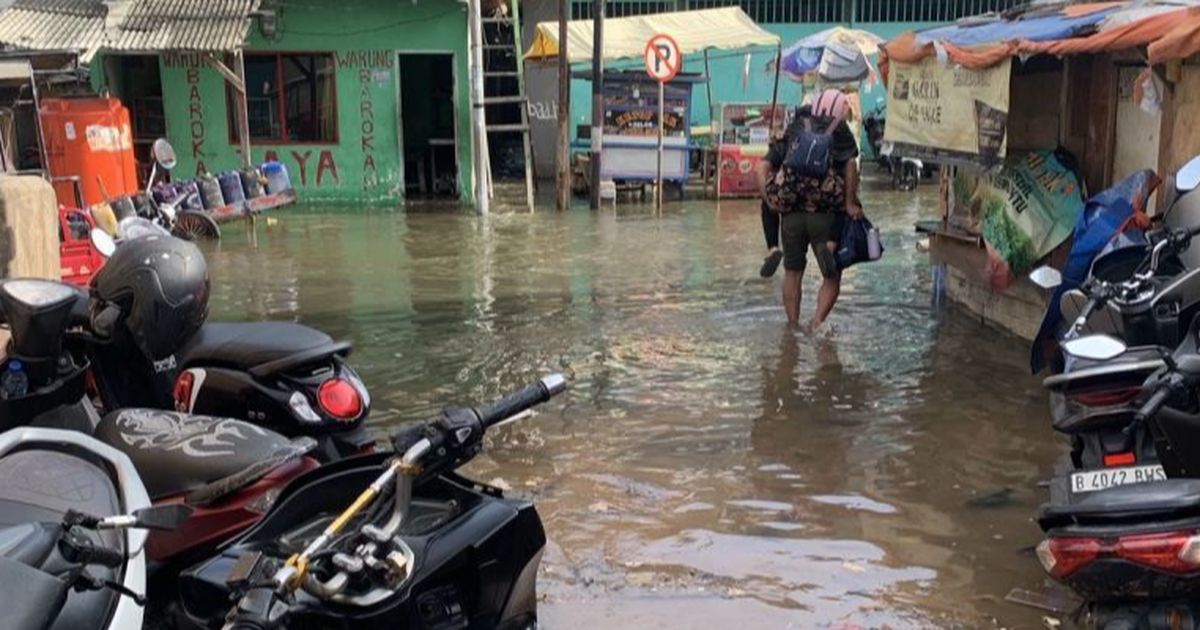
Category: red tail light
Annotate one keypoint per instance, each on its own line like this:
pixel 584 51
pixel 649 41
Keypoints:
pixel 340 399
pixel 1173 552
pixel 183 391
pixel 1107 398
pixel 1120 459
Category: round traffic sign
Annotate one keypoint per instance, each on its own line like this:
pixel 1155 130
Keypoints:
pixel 663 58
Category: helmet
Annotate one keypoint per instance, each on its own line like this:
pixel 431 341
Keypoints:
pixel 158 285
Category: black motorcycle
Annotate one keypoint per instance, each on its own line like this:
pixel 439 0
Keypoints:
pixel 421 547
pixel 150 345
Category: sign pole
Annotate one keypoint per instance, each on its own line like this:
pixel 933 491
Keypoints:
pixel 658 189
pixel 663 61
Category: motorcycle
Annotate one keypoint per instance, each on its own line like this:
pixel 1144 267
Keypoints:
pixel 226 473
pixel 1132 549
pixel 282 376
pixel 420 547
pixel 906 172
pixel 69 557
pixel 1122 529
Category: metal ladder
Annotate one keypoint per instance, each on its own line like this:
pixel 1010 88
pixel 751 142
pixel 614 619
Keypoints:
pixel 502 70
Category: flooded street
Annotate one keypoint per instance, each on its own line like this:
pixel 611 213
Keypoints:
pixel 709 469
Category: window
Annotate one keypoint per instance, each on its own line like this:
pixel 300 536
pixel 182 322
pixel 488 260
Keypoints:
pixel 290 98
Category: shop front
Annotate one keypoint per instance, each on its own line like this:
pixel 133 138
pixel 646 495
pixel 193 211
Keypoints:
pixel 361 101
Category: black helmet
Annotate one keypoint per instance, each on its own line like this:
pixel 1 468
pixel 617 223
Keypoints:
pixel 158 285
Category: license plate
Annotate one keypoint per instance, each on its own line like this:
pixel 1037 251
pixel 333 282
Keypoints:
pixel 1094 480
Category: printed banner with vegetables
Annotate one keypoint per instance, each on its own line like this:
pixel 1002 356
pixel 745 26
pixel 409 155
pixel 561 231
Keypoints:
pixel 948 113
pixel 1023 212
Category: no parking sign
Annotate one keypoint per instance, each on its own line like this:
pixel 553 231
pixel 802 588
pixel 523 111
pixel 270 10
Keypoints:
pixel 663 59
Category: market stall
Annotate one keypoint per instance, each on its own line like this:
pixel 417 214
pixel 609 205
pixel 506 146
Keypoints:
pixel 1032 112
pixel 628 152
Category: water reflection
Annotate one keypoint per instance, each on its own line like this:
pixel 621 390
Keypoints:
pixel 709 467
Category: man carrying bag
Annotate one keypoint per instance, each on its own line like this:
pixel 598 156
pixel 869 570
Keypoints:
pixel 811 179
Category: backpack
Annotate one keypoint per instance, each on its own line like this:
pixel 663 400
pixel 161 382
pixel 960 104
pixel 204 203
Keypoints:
pixel 808 151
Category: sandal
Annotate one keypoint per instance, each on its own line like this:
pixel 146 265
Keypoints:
pixel 771 264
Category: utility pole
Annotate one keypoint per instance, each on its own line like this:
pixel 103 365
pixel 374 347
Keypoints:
pixel 478 115
pixel 597 97
pixel 564 111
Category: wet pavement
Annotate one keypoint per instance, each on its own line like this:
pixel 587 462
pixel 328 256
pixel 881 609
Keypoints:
pixel 709 469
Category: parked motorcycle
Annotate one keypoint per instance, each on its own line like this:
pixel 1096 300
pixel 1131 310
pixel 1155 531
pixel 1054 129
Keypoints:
pixel 1121 526
pixel 906 172
pixel 150 345
pixel 1132 550
pixel 421 547
pixel 72 545
pixel 227 472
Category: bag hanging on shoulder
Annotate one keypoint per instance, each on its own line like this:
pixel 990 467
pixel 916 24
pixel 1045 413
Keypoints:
pixel 859 243
pixel 808 151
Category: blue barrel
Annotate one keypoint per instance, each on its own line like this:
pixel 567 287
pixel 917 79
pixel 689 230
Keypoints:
pixel 277 177
pixel 252 183
pixel 210 192
pixel 231 188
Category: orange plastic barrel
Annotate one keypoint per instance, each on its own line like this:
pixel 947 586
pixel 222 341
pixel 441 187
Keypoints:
pixel 89 138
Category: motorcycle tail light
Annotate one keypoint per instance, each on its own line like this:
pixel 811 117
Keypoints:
pixel 183 391
pixel 340 399
pixel 1172 552
pixel 1120 459
pixel 1106 398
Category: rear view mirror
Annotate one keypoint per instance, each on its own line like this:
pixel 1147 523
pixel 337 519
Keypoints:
pixel 103 242
pixel 162 517
pixel 1046 277
pixel 1188 177
pixel 164 154
pixel 1095 347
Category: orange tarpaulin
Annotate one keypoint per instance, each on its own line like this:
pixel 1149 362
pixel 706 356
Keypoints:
pixel 1170 35
pixel 1181 42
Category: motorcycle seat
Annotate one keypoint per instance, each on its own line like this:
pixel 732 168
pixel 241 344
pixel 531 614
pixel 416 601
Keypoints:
pixel 248 345
pixel 1165 499
pixel 178 452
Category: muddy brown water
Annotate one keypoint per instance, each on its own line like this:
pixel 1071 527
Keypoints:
pixel 709 469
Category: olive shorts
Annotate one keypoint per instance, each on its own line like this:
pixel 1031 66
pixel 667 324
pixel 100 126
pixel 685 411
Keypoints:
pixel 811 230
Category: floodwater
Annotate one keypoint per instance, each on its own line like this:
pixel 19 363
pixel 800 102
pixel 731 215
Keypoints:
pixel 709 469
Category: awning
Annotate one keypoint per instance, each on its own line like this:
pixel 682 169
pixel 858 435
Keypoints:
pixel 1169 29
pixel 88 26
pixel 625 38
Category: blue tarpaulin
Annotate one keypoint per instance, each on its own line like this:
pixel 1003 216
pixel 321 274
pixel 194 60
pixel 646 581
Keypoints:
pixel 1034 29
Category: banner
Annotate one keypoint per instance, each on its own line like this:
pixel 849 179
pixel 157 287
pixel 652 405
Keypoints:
pixel 1023 212
pixel 948 113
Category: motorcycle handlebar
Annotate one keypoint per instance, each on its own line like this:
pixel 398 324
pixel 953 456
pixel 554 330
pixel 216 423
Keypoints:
pixel 528 397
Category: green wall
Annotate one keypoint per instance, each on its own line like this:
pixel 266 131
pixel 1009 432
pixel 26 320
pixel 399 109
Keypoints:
pixel 364 165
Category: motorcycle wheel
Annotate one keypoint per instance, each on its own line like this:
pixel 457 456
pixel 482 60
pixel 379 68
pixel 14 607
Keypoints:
pixel 195 226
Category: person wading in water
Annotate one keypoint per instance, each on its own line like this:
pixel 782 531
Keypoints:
pixel 808 207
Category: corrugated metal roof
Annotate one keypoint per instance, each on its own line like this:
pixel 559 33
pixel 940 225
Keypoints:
pixel 129 25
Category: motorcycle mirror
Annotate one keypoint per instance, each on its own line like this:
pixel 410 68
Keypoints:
pixel 103 242
pixel 1188 177
pixel 162 517
pixel 1095 347
pixel 1046 277
pixel 164 154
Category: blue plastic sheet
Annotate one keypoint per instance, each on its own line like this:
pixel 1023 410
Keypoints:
pixel 1034 29
pixel 1098 228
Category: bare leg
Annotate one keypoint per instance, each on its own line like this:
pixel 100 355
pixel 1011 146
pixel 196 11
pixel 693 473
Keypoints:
pixel 793 282
pixel 827 296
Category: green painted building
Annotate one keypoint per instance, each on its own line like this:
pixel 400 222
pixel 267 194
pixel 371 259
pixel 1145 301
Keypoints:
pixel 361 100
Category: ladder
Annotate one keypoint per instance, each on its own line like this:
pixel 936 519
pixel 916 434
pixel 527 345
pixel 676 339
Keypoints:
pixel 506 106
